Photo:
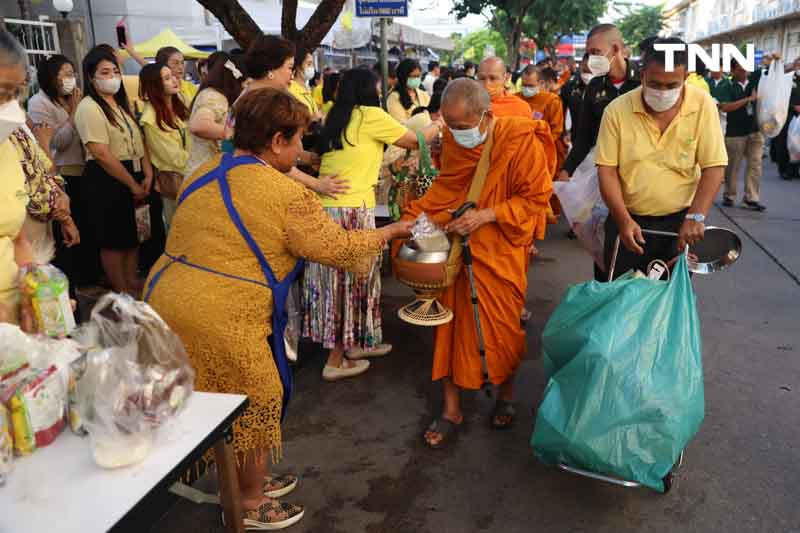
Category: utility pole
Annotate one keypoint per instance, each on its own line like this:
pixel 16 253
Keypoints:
pixel 384 61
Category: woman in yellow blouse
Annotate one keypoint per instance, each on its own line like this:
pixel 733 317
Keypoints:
pixel 118 171
pixel 164 131
pixel 241 226
pixel 303 72
pixel 173 58
pixel 407 95
pixel 15 250
pixel 342 311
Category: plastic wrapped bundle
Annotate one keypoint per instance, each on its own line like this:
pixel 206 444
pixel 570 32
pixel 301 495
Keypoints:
pixel 137 378
pixel 774 91
pixel 428 236
pixel 47 290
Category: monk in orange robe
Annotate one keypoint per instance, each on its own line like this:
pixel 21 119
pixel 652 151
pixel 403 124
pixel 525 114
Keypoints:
pixel 492 75
pixel 546 106
pixel 516 192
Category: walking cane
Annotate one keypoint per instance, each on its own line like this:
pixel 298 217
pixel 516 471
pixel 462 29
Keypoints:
pixel 467 260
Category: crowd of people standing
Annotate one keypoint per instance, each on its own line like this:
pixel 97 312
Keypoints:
pixel 228 194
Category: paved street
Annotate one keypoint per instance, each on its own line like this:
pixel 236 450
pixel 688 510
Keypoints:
pixel 357 444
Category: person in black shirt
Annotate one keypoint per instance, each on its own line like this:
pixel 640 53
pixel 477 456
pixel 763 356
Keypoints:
pixel 572 94
pixel 788 169
pixel 614 75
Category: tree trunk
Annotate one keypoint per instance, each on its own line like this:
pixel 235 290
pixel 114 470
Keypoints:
pixel 513 41
pixel 317 27
pixel 244 29
pixel 235 20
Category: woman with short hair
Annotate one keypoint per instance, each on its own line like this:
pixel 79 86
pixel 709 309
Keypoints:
pixel 237 241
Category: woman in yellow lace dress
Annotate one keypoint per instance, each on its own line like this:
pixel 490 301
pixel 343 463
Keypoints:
pixel 240 227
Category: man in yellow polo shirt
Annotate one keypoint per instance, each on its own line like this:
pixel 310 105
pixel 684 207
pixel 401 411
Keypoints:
pixel 661 160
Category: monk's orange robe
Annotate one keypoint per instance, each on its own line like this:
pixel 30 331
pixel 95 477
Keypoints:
pixel 548 107
pixel 508 105
pixel 518 187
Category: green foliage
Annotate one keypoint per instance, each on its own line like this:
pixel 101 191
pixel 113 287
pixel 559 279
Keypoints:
pixel 544 21
pixel 640 23
pixel 473 47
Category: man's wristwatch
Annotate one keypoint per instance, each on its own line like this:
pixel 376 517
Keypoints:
pixel 697 217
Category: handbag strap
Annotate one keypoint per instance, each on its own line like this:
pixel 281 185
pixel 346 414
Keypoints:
pixel 475 188
pixel 482 170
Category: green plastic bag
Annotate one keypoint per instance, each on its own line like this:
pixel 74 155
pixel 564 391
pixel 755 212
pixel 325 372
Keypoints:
pixel 625 389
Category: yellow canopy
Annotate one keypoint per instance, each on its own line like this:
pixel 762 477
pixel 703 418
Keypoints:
pixel 167 37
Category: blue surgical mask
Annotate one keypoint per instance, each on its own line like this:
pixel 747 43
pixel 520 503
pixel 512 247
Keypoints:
pixel 470 138
pixel 529 92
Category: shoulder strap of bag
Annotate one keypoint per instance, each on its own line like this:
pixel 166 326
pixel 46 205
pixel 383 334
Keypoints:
pixel 482 170
pixel 475 188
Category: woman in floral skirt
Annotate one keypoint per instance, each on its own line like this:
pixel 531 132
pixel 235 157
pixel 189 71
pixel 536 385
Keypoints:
pixel 342 310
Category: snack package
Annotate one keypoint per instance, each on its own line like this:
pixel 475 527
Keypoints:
pixel 429 237
pixel 6 444
pixel 137 378
pixel 47 289
pixel 37 410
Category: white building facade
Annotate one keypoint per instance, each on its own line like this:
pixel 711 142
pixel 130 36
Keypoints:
pixel 770 25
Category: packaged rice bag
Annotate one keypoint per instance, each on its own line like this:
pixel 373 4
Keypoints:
pixel 47 289
pixel 37 408
pixel 6 444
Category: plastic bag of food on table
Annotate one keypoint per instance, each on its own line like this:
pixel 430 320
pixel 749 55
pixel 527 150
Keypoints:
pixel 71 363
pixel 137 378
pixel 47 290
pixel 774 91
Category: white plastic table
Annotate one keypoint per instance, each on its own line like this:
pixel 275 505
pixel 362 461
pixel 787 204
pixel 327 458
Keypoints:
pixel 59 488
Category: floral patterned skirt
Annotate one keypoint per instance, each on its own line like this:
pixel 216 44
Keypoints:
pixel 338 306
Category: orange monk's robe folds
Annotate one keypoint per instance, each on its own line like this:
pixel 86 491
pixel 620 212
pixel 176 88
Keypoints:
pixel 509 106
pixel 518 187
pixel 547 106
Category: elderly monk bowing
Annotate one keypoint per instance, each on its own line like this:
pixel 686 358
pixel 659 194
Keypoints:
pixel 514 195
pixel 492 75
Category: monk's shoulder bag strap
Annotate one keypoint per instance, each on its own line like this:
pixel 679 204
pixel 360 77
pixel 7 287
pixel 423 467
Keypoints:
pixel 454 262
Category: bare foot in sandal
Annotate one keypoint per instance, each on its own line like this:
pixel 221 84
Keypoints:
pixel 441 430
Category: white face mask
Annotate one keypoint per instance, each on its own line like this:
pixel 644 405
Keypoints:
pixel 68 85
pixel 308 73
pixel 110 86
pixel 661 101
pixel 587 77
pixel 599 65
pixel 530 91
pixel 11 117
pixel 472 137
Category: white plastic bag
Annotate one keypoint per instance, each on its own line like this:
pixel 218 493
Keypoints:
pixel 584 207
pixel 793 139
pixel 774 90
pixel 137 378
